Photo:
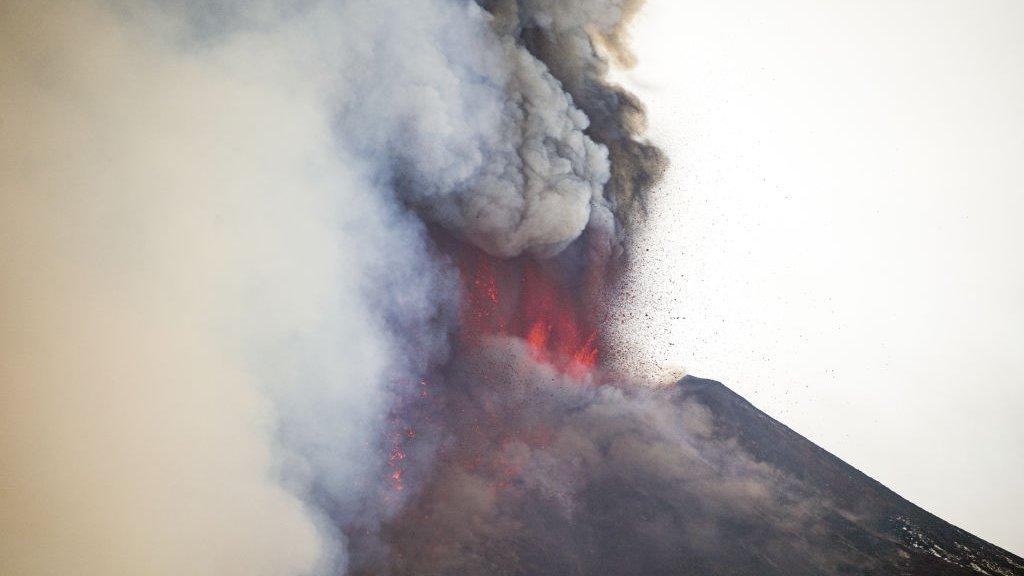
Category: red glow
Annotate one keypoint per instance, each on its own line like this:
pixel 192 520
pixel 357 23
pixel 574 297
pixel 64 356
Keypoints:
pixel 524 298
pixel 395 459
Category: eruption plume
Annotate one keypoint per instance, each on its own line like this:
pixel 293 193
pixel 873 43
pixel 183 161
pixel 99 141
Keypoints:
pixel 424 250
pixel 384 238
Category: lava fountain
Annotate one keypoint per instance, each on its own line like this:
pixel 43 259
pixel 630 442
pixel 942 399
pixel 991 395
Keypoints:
pixel 531 299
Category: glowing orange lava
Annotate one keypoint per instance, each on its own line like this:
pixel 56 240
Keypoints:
pixel 523 298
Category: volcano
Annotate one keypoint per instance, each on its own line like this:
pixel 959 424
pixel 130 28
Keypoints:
pixel 879 531
pixel 527 453
pixel 539 472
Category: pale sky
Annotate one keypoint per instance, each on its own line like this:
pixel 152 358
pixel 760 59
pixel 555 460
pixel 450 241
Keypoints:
pixel 838 238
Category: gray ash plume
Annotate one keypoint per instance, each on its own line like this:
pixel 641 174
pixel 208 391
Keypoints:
pixel 577 41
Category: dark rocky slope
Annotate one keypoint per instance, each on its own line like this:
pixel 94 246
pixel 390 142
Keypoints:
pixel 863 517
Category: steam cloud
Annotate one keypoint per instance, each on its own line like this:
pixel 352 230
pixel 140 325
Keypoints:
pixel 192 275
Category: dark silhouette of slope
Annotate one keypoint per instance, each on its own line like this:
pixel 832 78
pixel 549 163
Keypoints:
pixel 865 518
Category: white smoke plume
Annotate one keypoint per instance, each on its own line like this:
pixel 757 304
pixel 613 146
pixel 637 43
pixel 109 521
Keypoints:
pixel 188 257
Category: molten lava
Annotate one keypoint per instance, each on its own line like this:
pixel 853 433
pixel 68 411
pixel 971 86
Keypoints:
pixel 527 299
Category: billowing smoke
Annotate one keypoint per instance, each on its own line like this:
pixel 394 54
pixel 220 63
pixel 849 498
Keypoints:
pixel 318 286
pixel 544 473
pixel 496 123
pixel 201 292
pixel 475 133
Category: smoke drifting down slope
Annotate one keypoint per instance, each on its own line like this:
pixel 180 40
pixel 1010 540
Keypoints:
pixel 544 474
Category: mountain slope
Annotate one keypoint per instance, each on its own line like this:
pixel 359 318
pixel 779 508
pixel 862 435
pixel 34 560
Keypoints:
pixel 865 518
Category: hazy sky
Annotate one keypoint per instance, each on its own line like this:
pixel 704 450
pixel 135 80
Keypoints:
pixel 838 239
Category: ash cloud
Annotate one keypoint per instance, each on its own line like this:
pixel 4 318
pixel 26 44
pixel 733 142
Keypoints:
pixel 542 474
pixel 578 41
pixel 473 130
pixel 496 122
